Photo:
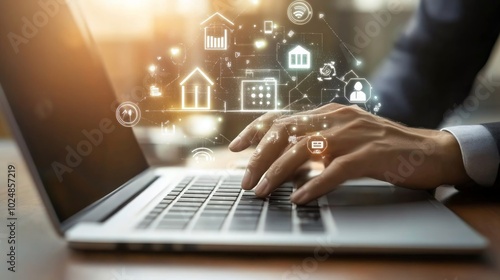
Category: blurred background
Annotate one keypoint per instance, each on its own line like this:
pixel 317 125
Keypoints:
pixel 130 34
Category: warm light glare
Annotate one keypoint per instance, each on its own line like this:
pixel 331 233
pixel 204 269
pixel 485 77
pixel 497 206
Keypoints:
pixel 152 68
pixel 175 51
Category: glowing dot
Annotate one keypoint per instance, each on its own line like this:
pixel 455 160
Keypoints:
pixel 152 68
pixel 220 119
pixel 305 95
pixel 294 151
pixel 358 62
pixel 268 102
pixel 325 126
pixel 268 95
pixel 175 51
pixel 261 95
pixel 304 118
pixel 260 44
pixel 294 128
pixel 255 2
pixel 253 95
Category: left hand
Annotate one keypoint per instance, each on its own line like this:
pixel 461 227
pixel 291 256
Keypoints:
pixel 359 145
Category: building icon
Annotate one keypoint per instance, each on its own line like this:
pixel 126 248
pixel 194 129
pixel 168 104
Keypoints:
pixel 299 58
pixel 196 91
pixel 217 29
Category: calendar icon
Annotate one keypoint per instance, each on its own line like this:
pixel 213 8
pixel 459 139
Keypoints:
pixel 259 95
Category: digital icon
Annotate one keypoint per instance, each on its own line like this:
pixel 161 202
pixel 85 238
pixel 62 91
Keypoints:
pixel 259 94
pixel 154 91
pixel 128 114
pixel 299 58
pixel 300 12
pixel 203 155
pixel 358 90
pixel 196 91
pixel 217 32
pixel 317 144
pixel 327 72
pixel 268 27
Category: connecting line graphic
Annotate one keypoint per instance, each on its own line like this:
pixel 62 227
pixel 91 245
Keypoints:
pixel 341 41
pixel 279 63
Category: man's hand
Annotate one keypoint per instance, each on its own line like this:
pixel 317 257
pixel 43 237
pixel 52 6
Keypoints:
pixel 359 145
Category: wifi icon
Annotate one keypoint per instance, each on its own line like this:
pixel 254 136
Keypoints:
pixel 203 155
pixel 300 12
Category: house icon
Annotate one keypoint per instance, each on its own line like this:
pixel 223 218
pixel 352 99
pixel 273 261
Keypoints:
pixel 196 91
pixel 299 58
pixel 217 28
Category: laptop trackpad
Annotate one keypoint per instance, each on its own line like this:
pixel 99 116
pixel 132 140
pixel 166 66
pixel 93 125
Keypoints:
pixel 384 213
pixel 360 195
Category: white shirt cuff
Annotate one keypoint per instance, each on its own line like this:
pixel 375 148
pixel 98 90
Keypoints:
pixel 479 152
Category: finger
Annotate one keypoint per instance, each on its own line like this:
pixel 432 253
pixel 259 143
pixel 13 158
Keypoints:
pixel 283 168
pixel 254 132
pixel 268 150
pixel 341 169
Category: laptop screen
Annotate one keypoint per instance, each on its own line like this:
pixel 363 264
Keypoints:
pixel 64 106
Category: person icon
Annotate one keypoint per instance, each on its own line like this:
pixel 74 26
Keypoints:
pixel 358 95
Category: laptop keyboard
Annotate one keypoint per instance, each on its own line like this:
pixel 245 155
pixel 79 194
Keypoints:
pixel 210 203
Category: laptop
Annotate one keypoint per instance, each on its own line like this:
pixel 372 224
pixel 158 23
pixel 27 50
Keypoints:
pixel 99 190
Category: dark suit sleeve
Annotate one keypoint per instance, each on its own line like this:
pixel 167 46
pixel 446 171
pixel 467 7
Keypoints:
pixel 434 64
pixel 433 68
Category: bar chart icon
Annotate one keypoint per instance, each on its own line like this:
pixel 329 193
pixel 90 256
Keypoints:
pixel 217 28
pixel 216 38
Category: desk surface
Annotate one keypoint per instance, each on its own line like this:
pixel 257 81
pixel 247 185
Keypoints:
pixel 42 254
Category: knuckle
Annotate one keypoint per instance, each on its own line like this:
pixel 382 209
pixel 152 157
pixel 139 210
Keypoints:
pixel 348 111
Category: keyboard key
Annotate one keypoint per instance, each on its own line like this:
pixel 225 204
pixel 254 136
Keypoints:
pixel 221 207
pixel 215 212
pixel 195 195
pixel 190 199
pixel 220 202
pixel 244 224
pixel 188 204
pixel 223 198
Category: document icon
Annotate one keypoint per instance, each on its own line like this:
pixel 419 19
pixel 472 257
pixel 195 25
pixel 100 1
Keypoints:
pixel 318 145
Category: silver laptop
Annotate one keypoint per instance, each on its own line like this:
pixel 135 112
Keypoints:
pixel 99 190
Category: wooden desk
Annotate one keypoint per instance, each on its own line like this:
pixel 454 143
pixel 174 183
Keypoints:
pixel 43 255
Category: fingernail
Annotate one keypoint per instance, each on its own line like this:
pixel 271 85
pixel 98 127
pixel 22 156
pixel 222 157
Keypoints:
pixel 298 197
pixel 235 144
pixel 245 183
pixel 261 188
